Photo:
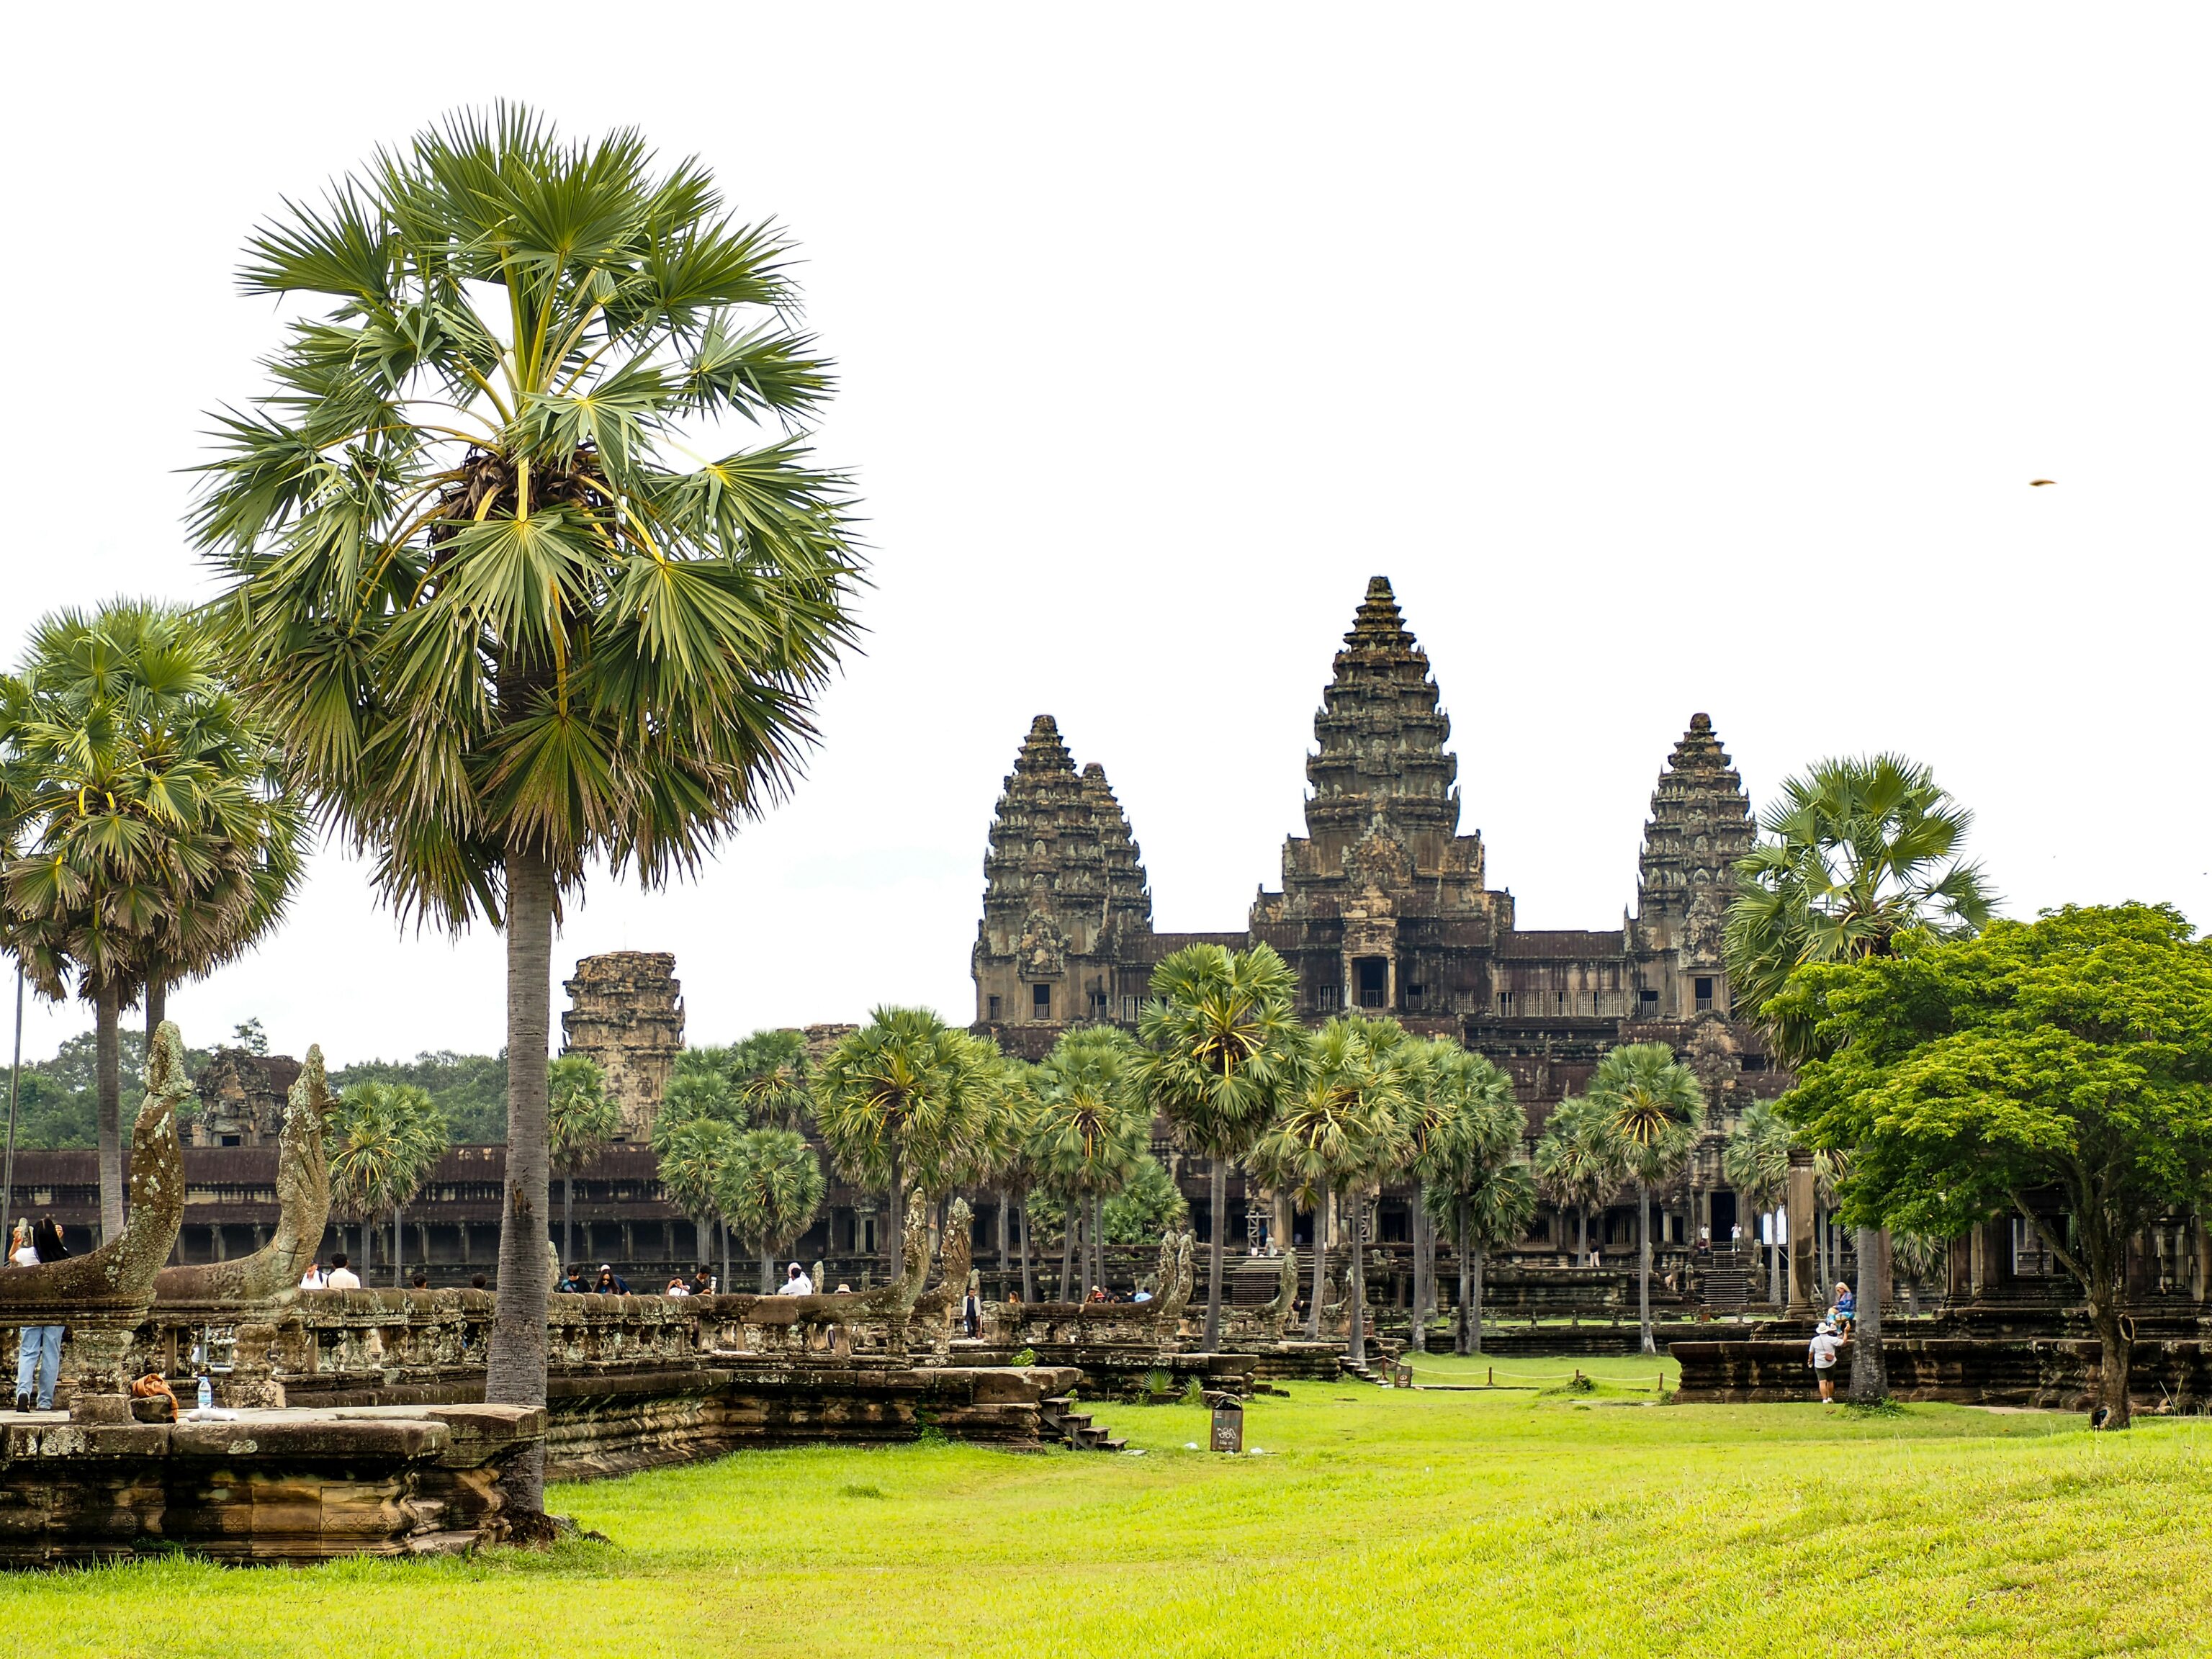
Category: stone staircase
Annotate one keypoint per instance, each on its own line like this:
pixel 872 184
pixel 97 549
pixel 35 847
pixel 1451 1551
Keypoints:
pixel 1057 1417
pixel 1727 1281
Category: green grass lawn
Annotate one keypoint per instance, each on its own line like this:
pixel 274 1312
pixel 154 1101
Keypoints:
pixel 1368 1522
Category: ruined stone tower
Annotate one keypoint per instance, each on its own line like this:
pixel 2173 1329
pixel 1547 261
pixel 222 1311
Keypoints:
pixel 1700 825
pixel 1064 898
pixel 626 1011
pixel 1382 892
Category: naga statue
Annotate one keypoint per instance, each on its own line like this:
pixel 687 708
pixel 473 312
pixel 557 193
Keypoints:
pixel 103 1297
pixel 1274 1318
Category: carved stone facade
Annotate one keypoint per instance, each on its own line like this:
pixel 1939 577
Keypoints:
pixel 241 1099
pixel 1384 904
pixel 626 1011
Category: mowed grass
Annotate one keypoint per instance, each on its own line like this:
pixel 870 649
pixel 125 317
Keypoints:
pixel 1372 1521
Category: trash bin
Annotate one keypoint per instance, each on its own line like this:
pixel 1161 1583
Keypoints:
pixel 1228 1427
pixel 1402 1376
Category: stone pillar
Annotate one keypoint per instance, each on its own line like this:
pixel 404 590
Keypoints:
pixel 1804 1294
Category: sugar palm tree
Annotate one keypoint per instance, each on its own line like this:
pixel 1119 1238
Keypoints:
pixel 144 837
pixel 1655 1108
pixel 698 1091
pixel 505 616
pixel 1488 1206
pixel 1471 1177
pixel 1858 851
pixel 1089 1134
pixel 905 1099
pixel 1008 1151
pixel 1918 1256
pixel 1223 1047
pixel 770 1188
pixel 1755 1159
pixel 693 1158
pixel 770 1073
pixel 382 1140
pixel 1578 1162
pixel 1436 1126
pixel 579 1121
pixel 1337 1132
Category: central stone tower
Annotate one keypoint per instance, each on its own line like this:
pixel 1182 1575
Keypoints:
pixel 1381 894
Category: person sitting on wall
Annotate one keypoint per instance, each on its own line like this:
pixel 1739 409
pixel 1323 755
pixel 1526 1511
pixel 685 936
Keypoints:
pixel 676 1287
pixel 1846 1311
pixel 702 1283
pixel 795 1282
pixel 573 1283
pixel 611 1283
pixel 315 1279
pixel 341 1277
pixel 422 1280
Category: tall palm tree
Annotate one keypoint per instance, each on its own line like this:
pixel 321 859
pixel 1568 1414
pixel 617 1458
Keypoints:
pixel 1655 1108
pixel 144 837
pixel 1488 1208
pixel 1473 1177
pixel 1860 850
pixel 693 1158
pixel 1578 1162
pixel 1755 1159
pixel 579 1121
pixel 506 619
pixel 1007 1154
pixel 382 1140
pixel 1223 1047
pixel 698 1092
pixel 1089 1134
pixel 770 1188
pixel 906 1098
pixel 772 1077
pixel 1336 1135
pixel 1444 1083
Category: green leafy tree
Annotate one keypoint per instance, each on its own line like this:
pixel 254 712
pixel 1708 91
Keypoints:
pixel 1148 1205
pixel 906 1099
pixel 1578 1162
pixel 1223 1047
pixel 1487 1207
pixel 1339 1131
pixel 580 1122
pixel 1088 1135
pixel 506 619
pixel 470 1090
pixel 382 1140
pixel 770 1187
pixel 1471 1177
pixel 1654 1109
pixel 143 837
pixel 1859 852
pixel 2072 1055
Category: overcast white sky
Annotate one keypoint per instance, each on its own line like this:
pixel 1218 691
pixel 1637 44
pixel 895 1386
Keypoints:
pixel 1666 358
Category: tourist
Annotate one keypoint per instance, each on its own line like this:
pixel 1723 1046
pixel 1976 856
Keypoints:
pixel 477 1283
pixel 1013 1298
pixel 1845 1312
pixel 971 1310
pixel 676 1287
pixel 39 1347
pixel 795 1282
pixel 573 1283
pixel 843 1289
pixel 610 1282
pixel 21 1251
pixel 422 1280
pixel 702 1283
pixel 315 1279
pixel 1820 1355
pixel 1142 1294
pixel 341 1277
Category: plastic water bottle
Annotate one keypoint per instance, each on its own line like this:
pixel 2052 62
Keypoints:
pixel 207 1394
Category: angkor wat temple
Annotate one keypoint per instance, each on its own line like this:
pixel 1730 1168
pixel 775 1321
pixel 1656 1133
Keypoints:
pixel 1384 905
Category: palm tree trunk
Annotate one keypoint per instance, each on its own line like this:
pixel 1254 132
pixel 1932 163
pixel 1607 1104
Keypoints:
pixel 1470 1317
pixel 1217 1201
pixel 1066 1251
pixel 157 1010
pixel 722 1232
pixel 398 1278
pixel 1098 1236
pixel 1870 1376
pixel 1581 1249
pixel 107 1070
pixel 1644 1267
pixel 1776 1254
pixel 1028 1282
pixel 1006 1204
pixel 896 1237
pixel 1422 1272
pixel 514 1370
pixel 1474 1315
pixel 1358 1277
pixel 767 1270
pixel 1321 1262
pixel 569 1218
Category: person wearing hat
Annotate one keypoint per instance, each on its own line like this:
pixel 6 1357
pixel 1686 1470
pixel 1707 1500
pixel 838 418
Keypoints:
pixel 1820 1355
pixel 610 1282
pixel 795 1282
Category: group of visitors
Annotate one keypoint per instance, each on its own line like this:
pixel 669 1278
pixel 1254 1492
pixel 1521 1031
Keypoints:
pixel 1829 1336
pixel 38 1347
pixel 338 1276
pixel 608 1282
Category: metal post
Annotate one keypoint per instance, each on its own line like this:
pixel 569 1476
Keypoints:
pixel 15 1089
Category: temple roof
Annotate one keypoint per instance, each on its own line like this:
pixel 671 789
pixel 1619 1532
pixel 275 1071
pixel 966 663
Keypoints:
pixel 1381 733
pixel 1700 825
pixel 1060 839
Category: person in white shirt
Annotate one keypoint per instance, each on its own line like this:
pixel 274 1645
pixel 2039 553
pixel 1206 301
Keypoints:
pixel 795 1282
pixel 20 1251
pixel 1820 1355
pixel 341 1277
pixel 314 1278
